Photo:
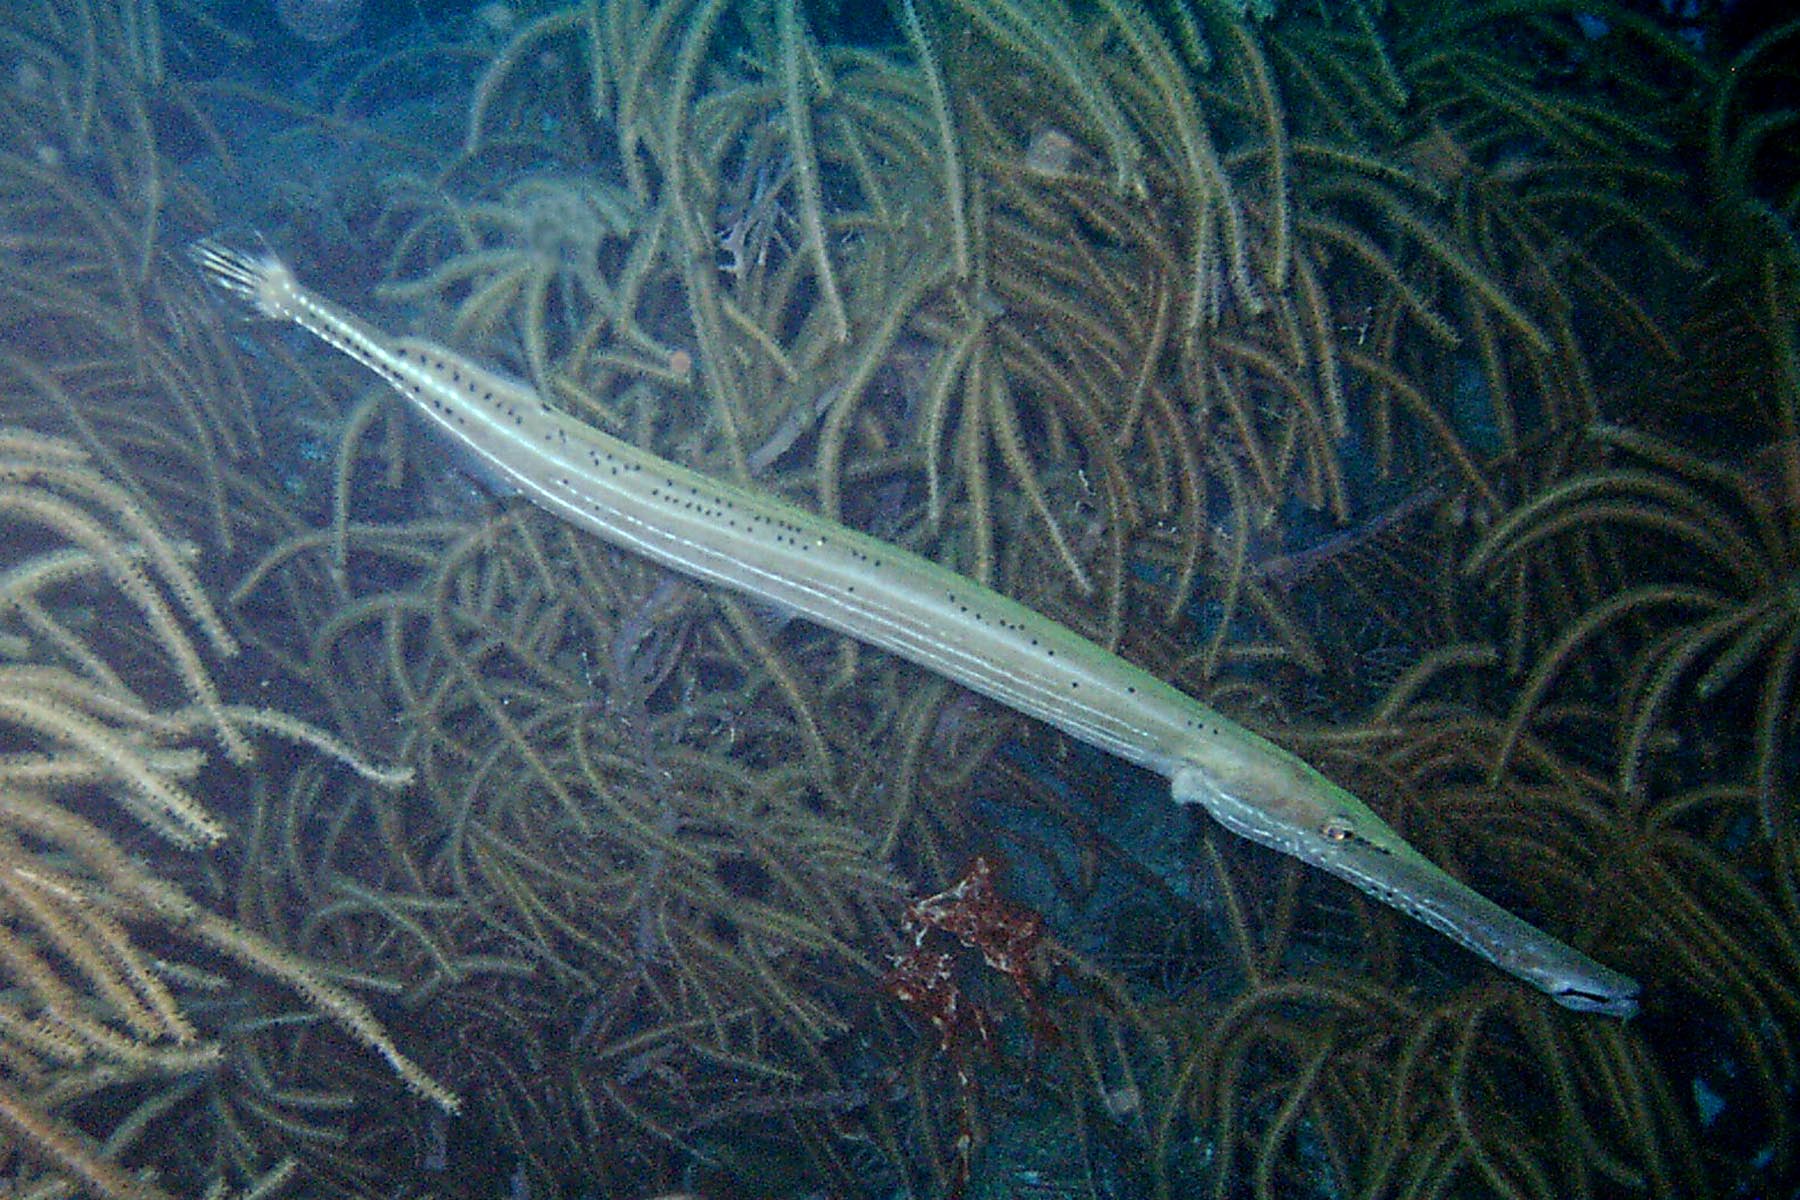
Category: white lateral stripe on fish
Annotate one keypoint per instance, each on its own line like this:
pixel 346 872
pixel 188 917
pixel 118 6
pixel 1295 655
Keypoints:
pixel 906 604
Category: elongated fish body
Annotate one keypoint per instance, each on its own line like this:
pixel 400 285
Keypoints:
pixel 903 603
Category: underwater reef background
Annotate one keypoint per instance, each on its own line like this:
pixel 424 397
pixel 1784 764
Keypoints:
pixel 1415 381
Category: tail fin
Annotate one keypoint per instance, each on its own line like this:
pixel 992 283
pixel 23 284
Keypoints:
pixel 263 279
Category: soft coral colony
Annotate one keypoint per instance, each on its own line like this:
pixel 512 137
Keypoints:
pixel 1413 383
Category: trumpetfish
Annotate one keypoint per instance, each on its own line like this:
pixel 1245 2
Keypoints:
pixel 903 603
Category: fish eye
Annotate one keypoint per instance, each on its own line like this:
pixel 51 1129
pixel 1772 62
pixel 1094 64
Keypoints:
pixel 1337 829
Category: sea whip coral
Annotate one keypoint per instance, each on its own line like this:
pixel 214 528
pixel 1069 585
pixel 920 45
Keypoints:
pixel 321 22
